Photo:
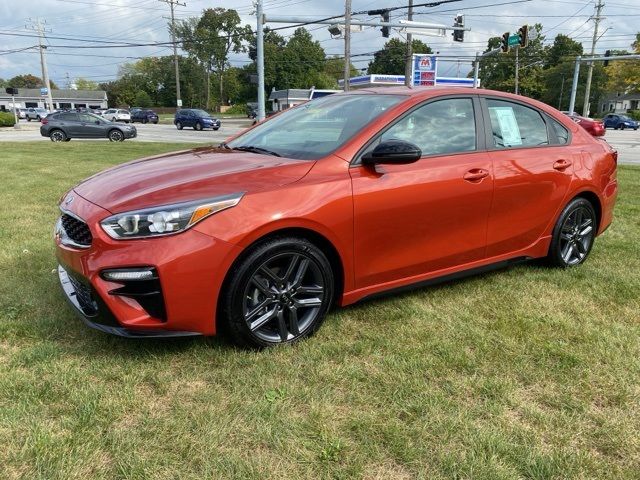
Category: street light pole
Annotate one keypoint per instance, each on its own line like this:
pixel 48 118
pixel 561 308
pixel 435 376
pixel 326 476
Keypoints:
pixel 408 81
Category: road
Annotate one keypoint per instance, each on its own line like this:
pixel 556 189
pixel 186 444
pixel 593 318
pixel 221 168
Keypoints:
pixel 30 131
pixel 627 142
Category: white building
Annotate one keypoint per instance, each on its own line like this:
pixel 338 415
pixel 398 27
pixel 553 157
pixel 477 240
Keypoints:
pixel 31 98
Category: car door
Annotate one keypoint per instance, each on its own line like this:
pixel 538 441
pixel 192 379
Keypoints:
pixel 88 126
pixel 533 168
pixel 70 124
pixel 429 215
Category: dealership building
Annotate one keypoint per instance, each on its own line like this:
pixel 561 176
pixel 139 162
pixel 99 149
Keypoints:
pixel 32 98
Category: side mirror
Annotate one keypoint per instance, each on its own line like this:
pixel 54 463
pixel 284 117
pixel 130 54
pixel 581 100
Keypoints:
pixel 396 152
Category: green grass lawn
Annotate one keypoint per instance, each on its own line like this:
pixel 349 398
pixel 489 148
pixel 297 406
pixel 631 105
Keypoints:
pixel 529 373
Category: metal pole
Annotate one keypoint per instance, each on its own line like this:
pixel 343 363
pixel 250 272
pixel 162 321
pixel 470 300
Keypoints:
pixel 15 115
pixel 587 91
pixel 574 85
pixel 175 57
pixel 347 44
pixel 476 70
pixel 260 59
pixel 408 81
pixel 517 68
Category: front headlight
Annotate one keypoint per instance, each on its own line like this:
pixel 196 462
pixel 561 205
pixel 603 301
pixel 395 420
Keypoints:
pixel 166 219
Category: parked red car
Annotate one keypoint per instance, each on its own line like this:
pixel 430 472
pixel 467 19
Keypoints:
pixel 594 127
pixel 333 201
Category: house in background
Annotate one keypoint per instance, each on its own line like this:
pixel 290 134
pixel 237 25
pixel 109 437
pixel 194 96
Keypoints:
pixel 32 98
pixel 619 103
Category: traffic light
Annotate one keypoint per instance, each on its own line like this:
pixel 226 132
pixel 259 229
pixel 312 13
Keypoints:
pixel 458 21
pixel 505 42
pixel 523 33
pixel 385 18
pixel 606 54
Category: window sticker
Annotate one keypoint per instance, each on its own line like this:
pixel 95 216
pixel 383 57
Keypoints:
pixel 508 126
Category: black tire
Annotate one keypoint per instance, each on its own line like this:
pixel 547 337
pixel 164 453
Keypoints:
pixel 573 234
pixel 179 125
pixel 116 135
pixel 263 302
pixel 144 120
pixel 622 127
pixel 58 135
pixel 215 129
pixel 67 139
pixel 156 122
pixel 28 119
pixel 38 118
pixel 197 126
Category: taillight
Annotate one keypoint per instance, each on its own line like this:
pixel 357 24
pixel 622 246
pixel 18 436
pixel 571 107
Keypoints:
pixel 44 121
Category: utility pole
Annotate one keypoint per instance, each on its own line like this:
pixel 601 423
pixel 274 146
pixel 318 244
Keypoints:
pixel 172 4
pixel 260 59
pixel 38 27
pixel 587 91
pixel 517 68
pixel 347 44
pixel 408 66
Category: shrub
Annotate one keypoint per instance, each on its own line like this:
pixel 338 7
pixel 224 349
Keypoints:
pixel 237 109
pixel 635 114
pixel 7 119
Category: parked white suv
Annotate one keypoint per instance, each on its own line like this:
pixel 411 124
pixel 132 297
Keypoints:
pixel 117 115
pixel 36 114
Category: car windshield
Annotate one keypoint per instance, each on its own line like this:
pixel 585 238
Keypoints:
pixel 201 113
pixel 316 128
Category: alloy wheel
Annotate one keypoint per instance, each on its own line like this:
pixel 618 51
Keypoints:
pixel 283 297
pixel 116 136
pixel 576 236
pixel 57 136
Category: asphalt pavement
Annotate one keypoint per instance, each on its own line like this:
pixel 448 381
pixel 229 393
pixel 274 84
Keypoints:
pixel 627 142
pixel 30 131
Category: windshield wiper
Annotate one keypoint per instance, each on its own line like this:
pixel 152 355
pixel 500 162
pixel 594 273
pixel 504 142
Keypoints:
pixel 254 149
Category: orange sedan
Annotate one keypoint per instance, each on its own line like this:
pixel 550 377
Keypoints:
pixel 331 202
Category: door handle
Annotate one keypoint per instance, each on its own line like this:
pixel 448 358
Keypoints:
pixel 476 174
pixel 562 164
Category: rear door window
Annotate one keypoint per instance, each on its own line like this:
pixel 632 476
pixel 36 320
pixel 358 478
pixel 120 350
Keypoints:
pixel 513 125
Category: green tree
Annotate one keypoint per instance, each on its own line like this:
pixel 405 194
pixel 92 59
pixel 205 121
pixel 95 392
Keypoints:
pixel 84 84
pixel 558 71
pixel 624 75
pixel 334 68
pixel 497 71
pixel 142 99
pixel 564 49
pixel 210 39
pixel 391 59
pixel 28 81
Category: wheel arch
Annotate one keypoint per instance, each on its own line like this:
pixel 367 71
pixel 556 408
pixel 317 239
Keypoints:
pixel 595 201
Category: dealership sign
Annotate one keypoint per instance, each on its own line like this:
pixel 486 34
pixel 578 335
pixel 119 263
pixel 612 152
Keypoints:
pixel 424 70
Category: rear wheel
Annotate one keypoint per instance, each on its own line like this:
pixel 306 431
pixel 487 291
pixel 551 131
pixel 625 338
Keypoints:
pixel 197 126
pixel 116 136
pixel 144 120
pixel 58 136
pixel 622 127
pixel 179 125
pixel 279 293
pixel 573 234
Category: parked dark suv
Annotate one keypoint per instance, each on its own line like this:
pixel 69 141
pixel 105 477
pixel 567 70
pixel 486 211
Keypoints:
pixel 196 118
pixel 63 126
pixel 144 116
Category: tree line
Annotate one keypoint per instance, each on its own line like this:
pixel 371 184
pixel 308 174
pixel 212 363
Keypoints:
pixel 208 80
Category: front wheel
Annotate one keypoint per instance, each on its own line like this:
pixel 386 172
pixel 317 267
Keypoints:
pixel 573 234
pixel 197 126
pixel 278 294
pixel 622 127
pixel 215 129
pixel 116 136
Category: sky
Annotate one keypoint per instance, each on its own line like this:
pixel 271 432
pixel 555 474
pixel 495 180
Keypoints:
pixel 107 23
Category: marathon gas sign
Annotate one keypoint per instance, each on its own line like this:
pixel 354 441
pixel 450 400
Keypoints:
pixel 424 71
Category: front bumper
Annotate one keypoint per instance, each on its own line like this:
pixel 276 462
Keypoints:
pixel 133 133
pixel 190 266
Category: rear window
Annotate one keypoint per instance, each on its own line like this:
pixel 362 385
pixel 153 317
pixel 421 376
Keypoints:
pixel 561 132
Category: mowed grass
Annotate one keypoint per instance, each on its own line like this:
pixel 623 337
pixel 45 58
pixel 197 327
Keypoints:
pixel 524 373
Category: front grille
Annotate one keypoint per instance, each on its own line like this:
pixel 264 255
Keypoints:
pixel 76 230
pixel 83 296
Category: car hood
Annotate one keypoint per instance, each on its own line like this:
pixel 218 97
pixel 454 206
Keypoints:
pixel 188 175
